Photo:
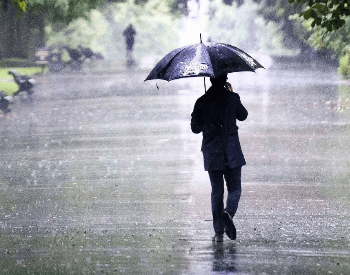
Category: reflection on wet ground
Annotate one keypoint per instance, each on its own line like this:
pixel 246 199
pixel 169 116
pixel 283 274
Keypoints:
pixel 101 174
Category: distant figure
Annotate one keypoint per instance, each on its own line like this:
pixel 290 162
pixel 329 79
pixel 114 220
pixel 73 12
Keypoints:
pixel 215 114
pixel 129 34
pixel 25 83
pixel 4 104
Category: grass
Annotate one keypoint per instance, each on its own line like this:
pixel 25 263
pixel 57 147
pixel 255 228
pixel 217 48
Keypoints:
pixel 7 84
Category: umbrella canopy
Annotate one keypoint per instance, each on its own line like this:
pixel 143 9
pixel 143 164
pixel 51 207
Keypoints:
pixel 209 59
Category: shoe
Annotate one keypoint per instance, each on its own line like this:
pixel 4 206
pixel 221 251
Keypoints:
pixel 218 238
pixel 230 228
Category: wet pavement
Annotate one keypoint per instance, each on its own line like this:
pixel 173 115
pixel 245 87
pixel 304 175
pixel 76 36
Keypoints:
pixel 100 174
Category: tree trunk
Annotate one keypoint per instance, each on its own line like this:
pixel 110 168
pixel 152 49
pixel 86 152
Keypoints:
pixel 20 33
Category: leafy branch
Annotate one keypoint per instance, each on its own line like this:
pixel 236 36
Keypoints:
pixel 21 4
pixel 326 14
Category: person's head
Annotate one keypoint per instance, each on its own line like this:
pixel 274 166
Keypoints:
pixel 219 80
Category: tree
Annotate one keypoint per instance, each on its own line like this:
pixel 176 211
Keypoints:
pixel 65 11
pixel 279 12
pixel 326 26
pixel 62 11
pixel 21 32
pixel 329 15
pixel 22 22
pixel 21 4
pixel 55 10
pixel 102 30
pixel 57 14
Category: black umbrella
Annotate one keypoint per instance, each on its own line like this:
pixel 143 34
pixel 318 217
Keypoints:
pixel 209 59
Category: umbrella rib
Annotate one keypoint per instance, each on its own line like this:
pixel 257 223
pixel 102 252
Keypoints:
pixel 198 60
pixel 256 64
pixel 163 69
pixel 171 60
pixel 169 63
pixel 240 54
pixel 161 72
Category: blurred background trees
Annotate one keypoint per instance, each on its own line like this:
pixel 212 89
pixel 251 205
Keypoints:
pixel 23 22
pixel 326 14
pixel 299 28
pixel 97 24
pixel 306 29
pixel 254 26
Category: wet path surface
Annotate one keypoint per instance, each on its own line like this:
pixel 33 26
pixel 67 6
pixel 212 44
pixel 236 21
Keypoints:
pixel 100 174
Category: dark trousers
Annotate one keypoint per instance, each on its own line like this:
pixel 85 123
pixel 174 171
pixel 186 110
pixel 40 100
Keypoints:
pixel 233 183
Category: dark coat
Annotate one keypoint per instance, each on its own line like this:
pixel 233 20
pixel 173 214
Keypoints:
pixel 215 115
pixel 129 34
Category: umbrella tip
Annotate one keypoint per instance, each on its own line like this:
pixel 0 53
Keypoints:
pixel 200 37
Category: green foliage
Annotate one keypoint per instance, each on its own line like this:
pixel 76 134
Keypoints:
pixel 7 87
pixel 222 22
pixel 66 11
pixel 319 38
pixel 335 41
pixel 279 12
pixel 329 15
pixel 321 24
pixel 344 65
pixel 21 4
pixel 156 30
pixel 28 71
pixel 156 27
pixel 62 10
pixel 90 32
pixel 243 27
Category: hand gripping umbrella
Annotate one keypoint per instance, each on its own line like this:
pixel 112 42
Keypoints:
pixel 209 59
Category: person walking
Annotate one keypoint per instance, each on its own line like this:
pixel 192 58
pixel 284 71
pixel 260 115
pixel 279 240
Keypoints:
pixel 215 114
pixel 129 34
